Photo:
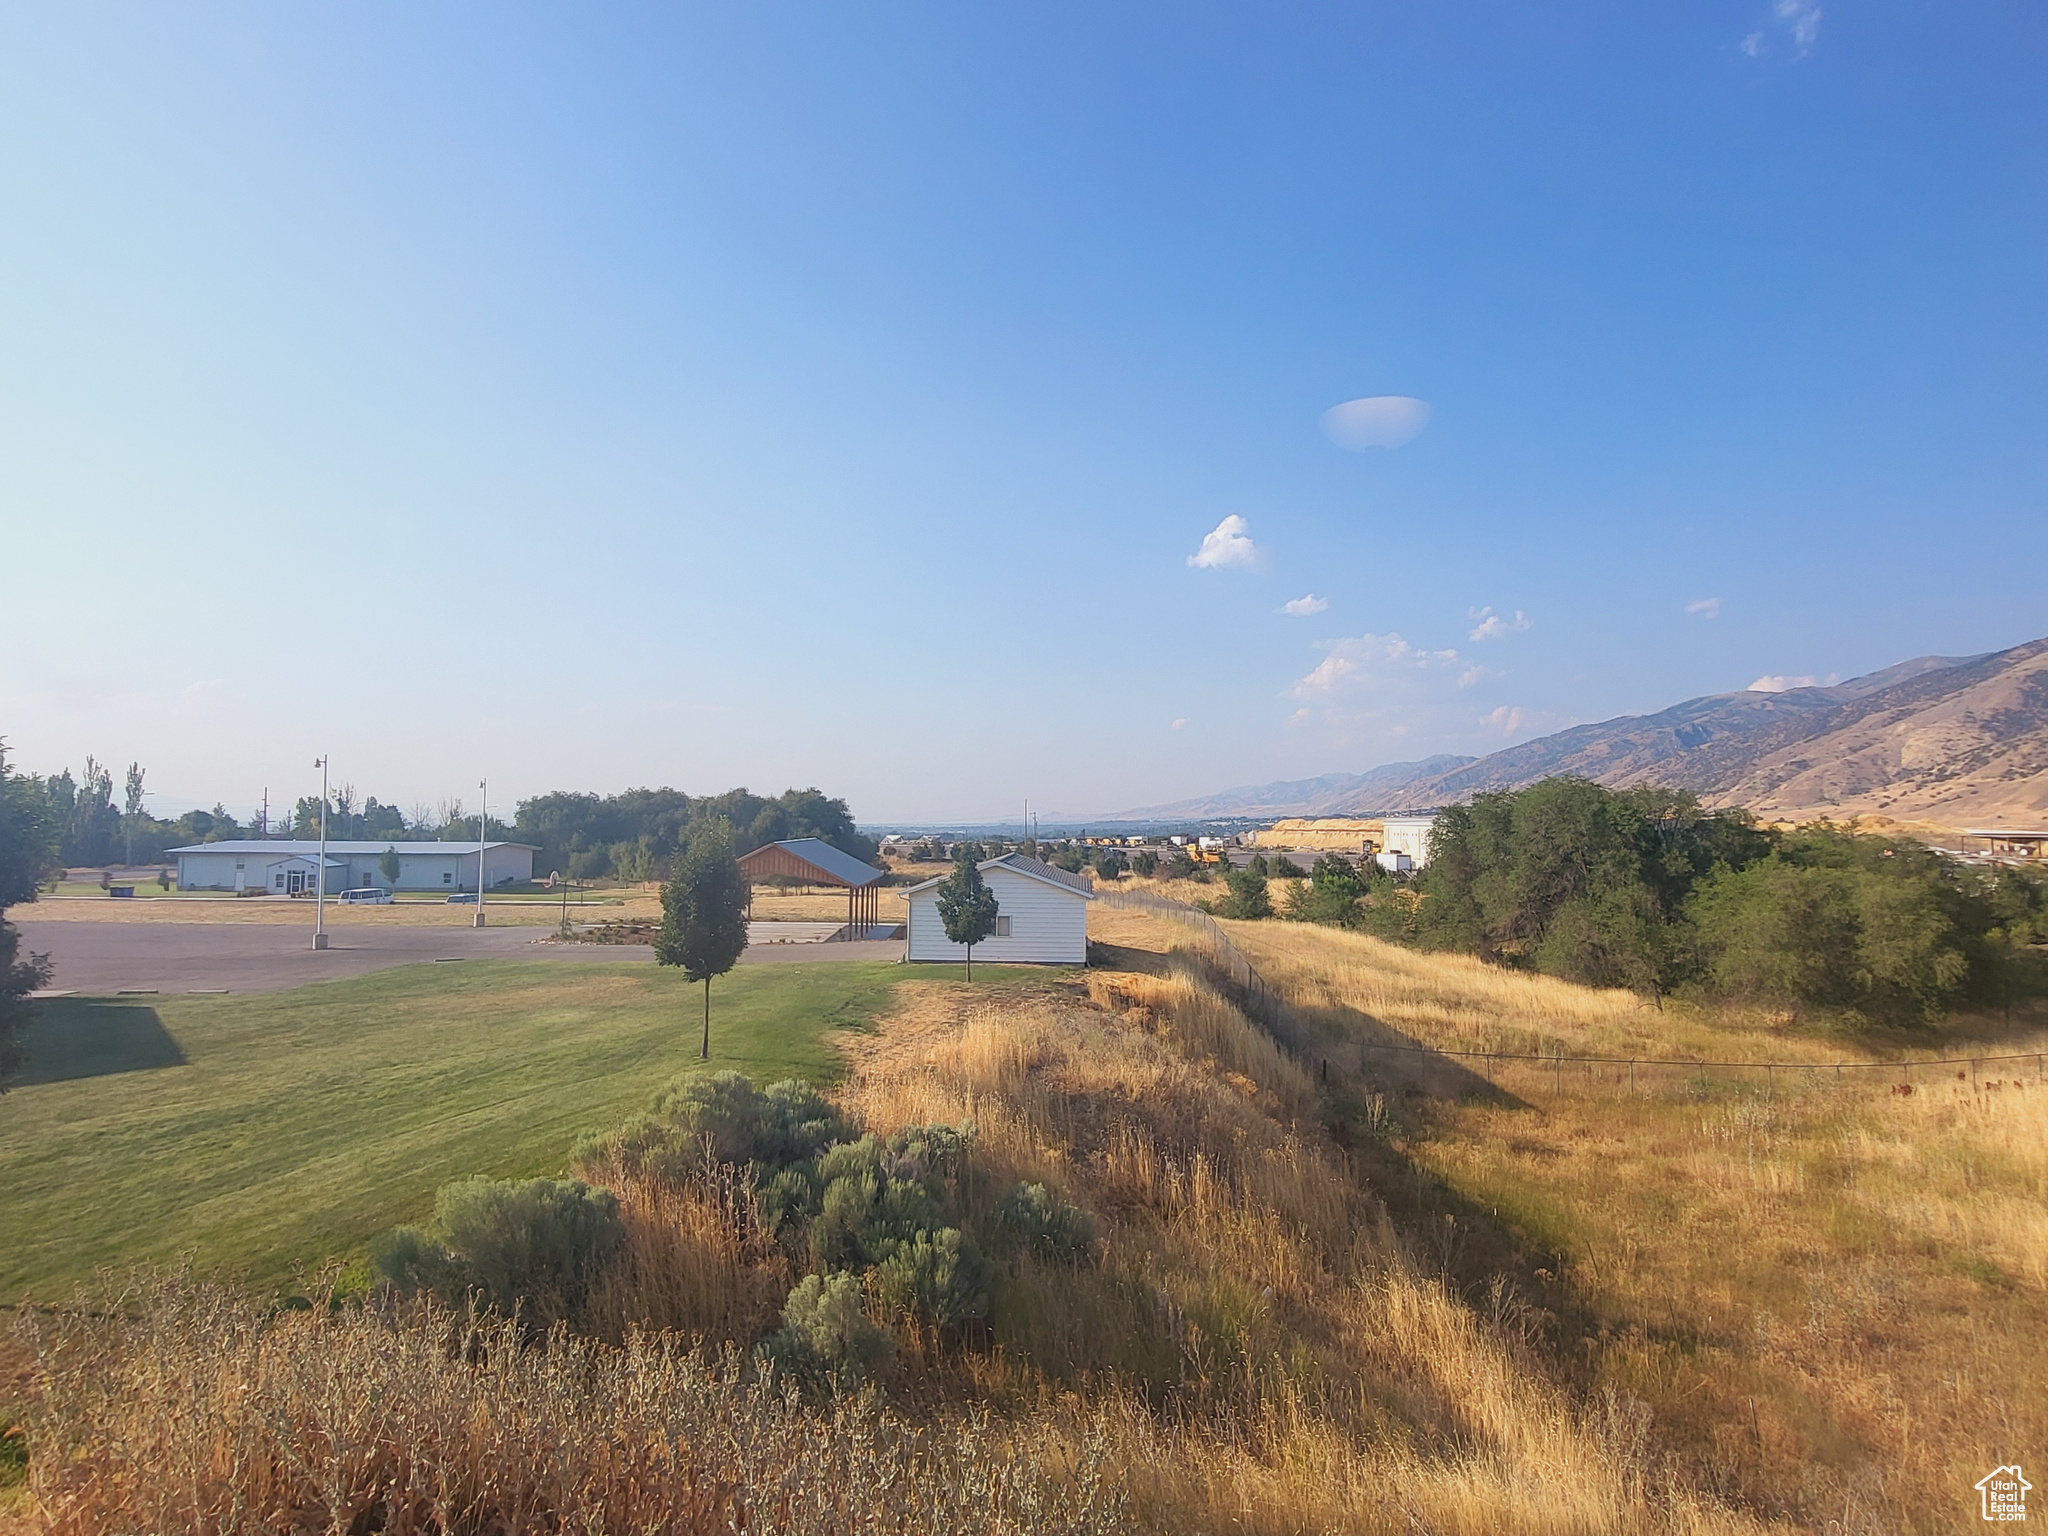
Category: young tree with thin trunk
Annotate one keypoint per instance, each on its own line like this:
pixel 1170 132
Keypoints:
pixel 388 866
pixel 134 804
pixel 704 912
pixel 967 907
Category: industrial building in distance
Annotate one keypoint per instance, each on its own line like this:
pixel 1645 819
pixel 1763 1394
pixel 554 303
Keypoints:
pixel 1395 842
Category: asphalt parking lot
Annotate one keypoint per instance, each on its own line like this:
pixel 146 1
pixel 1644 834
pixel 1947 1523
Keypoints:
pixel 100 959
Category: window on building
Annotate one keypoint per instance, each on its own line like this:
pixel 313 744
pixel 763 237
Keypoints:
pixel 447 877
pixel 278 880
pixel 1002 927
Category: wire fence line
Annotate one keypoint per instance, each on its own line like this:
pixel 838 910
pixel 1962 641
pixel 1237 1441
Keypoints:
pixel 1607 1071
pixel 1234 962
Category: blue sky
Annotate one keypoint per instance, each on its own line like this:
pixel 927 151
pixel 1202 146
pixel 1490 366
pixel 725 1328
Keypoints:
pixel 587 397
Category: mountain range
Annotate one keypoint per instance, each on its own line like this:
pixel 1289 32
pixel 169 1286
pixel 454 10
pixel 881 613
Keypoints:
pixel 1949 740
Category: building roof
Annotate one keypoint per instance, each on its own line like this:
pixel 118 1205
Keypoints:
pixel 833 866
pixel 2016 835
pixel 288 847
pixel 1021 864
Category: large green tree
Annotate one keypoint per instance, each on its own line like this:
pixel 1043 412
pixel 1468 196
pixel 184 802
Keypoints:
pixel 28 854
pixel 967 907
pixel 704 912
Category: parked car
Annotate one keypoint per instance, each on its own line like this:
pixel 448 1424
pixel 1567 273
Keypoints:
pixel 366 896
pixel 462 899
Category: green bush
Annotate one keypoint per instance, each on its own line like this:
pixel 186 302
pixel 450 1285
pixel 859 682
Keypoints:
pixel 726 1115
pixel 536 1245
pixel 938 1276
pixel 826 1335
pixel 1145 863
pixel 1032 1222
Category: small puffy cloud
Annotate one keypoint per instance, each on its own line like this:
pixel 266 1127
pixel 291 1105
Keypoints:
pixel 1514 720
pixel 1377 421
pixel 1303 607
pixel 1363 659
pixel 1471 675
pixel 1803 18
pixel 1704 607
pixel 1488 625
pixel 1181 724
pixel 1772 682
pixel 1229 543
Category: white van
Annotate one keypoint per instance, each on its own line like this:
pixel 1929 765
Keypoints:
pixel 367 896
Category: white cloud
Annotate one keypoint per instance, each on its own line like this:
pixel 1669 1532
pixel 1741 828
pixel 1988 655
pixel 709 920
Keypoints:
pixel 1488 625
pixel 1303 607
pixel 1361 660
pixel 1471 675
pixel 1772 682
pixel 1229 543
pixel 1377 421
pixel 1513 720
pixel 1181 724
pixel 1705 607
pixel 1753 45
pixel 1803 17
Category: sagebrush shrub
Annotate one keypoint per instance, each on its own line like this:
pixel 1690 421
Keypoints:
pixel 1033 1222
pixel 536 1246
pixel 939 1277
pixel 826 1333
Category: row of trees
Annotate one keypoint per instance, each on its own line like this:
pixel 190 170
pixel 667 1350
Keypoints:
pixel 632 836
pixel 1641 888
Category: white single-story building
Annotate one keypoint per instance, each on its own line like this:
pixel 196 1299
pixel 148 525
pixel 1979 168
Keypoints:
pixel 1406 834
pixel 285 868
pixel 1041 916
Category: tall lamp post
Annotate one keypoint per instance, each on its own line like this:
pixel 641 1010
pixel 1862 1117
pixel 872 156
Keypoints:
pixel 483 830
pixel 320 869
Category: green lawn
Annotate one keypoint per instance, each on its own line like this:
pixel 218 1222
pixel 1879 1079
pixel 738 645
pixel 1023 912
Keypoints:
pixel 259 1132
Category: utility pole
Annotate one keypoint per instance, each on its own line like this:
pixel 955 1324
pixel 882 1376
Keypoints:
pixel 266 812
pixel 319 869
pixel 483 829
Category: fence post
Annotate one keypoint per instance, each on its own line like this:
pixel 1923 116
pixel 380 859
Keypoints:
pixel 1631 1077
pixel 1557 1073
pixel 1770 1080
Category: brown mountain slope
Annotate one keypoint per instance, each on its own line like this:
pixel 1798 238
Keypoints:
pixel 1950 741
pixel 1968 747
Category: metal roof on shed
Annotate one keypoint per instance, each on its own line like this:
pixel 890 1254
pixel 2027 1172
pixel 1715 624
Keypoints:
pixel 838 868
pixel 1023 864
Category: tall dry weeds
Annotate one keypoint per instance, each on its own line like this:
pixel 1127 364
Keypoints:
pixel 186 1408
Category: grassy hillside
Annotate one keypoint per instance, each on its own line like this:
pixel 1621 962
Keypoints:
pixel 1830 1302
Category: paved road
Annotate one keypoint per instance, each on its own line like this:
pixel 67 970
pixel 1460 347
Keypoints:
pixel 102 958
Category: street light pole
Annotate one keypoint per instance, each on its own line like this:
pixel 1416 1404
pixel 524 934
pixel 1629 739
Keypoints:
pixel 320 869
pixel 483 830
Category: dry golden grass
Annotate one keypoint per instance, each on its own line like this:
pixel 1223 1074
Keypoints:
pixel 1276 1356
pixel 188 1409
pixel 1831 1301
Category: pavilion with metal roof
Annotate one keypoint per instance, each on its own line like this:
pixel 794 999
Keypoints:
pixel 813 861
